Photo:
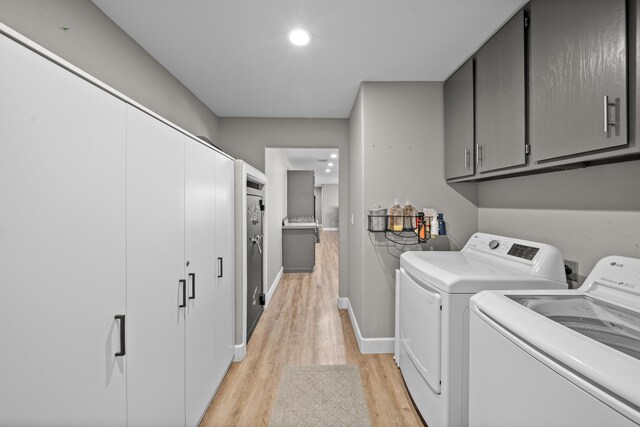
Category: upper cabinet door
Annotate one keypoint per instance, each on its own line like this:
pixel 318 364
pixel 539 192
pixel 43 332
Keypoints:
pixel 62 246
pixel 578 77
pixel 500 98
pixel 458 123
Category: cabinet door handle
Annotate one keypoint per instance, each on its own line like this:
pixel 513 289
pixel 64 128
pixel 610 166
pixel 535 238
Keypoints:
pixel 467 158
pixel 605 107
pixel 478 155
pixel 123 350
pixel 183 283
pixel 220 263
pixel 193 285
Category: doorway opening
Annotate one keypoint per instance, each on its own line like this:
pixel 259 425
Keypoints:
pixel 299 202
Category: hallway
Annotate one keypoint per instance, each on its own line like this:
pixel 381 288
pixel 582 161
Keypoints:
pixel 302 326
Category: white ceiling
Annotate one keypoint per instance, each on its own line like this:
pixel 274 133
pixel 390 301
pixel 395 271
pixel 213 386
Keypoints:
pixel 315 159
pixel 235 56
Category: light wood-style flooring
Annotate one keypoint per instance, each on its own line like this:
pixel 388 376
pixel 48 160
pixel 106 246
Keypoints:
pixel 303 326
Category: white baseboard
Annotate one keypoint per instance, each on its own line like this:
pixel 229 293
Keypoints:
pixel 369 345
pixel 274 285
pixel 240 352
pixel 354 324
pixel 329 229
pixel 379 345
pixel 343 303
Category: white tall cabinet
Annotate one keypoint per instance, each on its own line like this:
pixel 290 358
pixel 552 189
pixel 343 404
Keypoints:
pixel 116 248
pixel 200 209
pixel 62 246
pixel 155 272
pixel 225 286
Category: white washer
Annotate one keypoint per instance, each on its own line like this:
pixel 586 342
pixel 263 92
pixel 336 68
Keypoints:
pixel 432 313
pixel 559 358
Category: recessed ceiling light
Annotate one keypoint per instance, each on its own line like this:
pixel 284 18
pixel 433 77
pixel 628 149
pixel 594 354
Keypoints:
pixel 329 164
pixel 334 156
pixel 300 36
pixel 327 170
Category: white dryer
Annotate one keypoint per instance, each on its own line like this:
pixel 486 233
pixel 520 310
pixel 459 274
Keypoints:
pixel 432 313
pixel 559 358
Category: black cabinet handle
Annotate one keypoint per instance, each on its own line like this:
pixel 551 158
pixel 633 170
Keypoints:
pixel 184 293
pixel 123 350
pixel 193 285
pixel 220 266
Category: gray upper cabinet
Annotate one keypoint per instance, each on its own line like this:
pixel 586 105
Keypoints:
pixel 578 77
pixel 458 123
pixel 300 197
pixel 500 98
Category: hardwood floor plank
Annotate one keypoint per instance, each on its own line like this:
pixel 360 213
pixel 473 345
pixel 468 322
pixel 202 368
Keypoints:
pixel 303 326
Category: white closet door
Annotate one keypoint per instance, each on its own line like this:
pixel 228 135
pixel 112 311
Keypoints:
pixel 200 213
pixel 62 246
pixel 155 267
pixel 225 291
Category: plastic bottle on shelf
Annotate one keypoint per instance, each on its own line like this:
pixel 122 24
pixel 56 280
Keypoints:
pixel 428 218
pixel 434 225
pixel 442 227
pixel 421 226
pixel 409 213
pixel 395 216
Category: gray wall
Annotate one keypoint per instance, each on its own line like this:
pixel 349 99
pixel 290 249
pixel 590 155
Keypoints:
pixel 587 213
pixel 330 205
pixel 356 224
pixel 98 46
pixel 276 201
pixel 247 138
pixel 397 151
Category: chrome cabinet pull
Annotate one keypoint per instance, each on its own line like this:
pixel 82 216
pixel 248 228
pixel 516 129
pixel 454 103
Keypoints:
pixel 466 159
pixel 606 105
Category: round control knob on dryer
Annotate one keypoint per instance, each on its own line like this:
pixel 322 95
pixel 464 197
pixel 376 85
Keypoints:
pixel 494 244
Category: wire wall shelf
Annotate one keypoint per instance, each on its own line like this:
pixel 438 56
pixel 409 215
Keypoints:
pixel 401 230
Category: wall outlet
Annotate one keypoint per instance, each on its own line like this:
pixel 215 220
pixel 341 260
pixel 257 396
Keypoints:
pixel 571 270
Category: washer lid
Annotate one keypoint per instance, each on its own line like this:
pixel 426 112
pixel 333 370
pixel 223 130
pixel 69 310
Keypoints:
pixel 553 342
pixel 614 326
pixel 464 273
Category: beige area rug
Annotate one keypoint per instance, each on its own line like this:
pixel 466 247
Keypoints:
pixel 320 396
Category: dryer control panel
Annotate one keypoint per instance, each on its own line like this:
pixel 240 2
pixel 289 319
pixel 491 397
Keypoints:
pixel 535 258
pixel 523 251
